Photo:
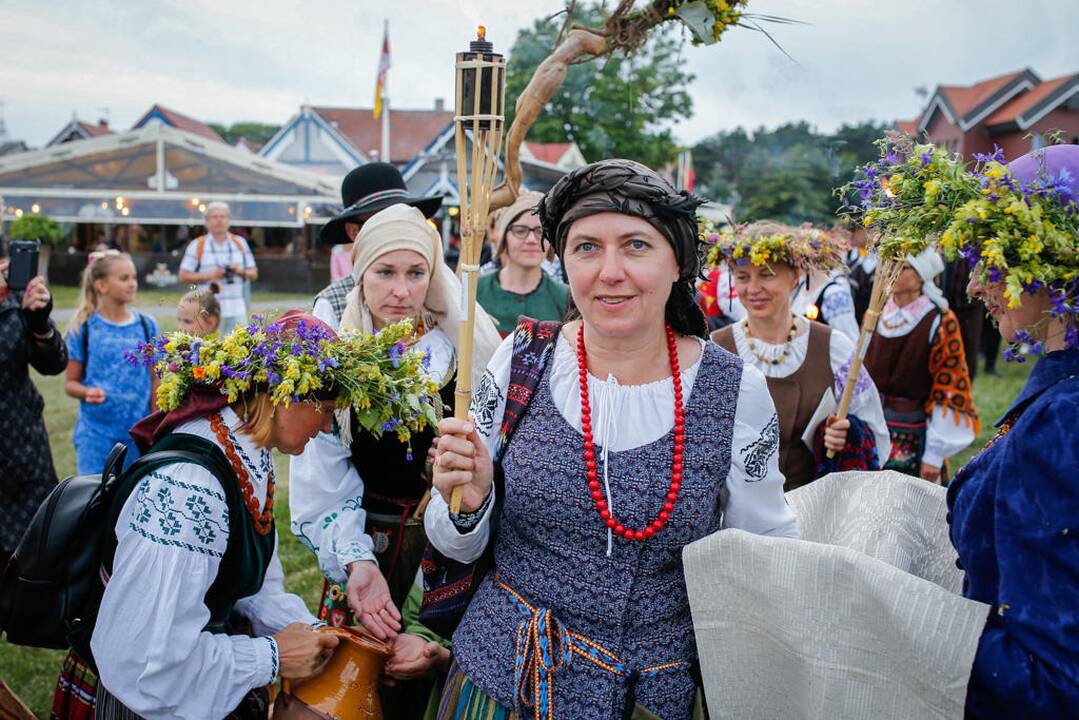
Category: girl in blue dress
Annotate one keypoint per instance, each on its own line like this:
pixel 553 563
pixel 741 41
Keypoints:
pixel 113 395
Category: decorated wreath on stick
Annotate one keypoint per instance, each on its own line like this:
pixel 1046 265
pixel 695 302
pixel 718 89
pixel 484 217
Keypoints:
pixel 379 375
pixel 1022 234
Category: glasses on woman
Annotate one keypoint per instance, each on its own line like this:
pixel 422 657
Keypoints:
pixel 522 231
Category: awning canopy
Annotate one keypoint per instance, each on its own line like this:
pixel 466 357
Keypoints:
pixel 160 175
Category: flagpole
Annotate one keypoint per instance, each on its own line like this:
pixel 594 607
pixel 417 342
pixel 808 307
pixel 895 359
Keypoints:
pixel 385 154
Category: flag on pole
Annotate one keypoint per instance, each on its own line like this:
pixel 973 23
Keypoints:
pixel 383 69
pixel 686 176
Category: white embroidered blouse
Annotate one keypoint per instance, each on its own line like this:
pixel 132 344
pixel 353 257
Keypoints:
pixel 625 417
pixel 865 402
pixel 944 436
pixel 151 650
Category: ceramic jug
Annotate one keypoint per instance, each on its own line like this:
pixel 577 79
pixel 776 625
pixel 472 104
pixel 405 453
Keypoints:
pixel 345 687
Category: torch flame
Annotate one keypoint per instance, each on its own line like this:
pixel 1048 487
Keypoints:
pixel 481 33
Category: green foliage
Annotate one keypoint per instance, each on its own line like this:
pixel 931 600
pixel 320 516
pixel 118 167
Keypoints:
pixel 37 227
pixel 786 174
pixel 256 133
pixel 614 107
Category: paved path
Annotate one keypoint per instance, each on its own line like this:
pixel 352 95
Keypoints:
pixel 163 312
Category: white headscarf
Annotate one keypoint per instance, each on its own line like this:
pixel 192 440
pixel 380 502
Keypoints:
pixel 402 227
pixel 929 264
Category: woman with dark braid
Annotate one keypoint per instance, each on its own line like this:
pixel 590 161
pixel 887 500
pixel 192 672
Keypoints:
pixel 640 437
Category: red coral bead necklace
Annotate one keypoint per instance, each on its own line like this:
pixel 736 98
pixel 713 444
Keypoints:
pixel 674 488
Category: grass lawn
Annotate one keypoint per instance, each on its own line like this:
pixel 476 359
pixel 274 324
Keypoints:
pixel 66 296
pixel 32 673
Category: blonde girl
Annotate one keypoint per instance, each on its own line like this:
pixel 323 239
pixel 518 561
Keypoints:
pixel 113 395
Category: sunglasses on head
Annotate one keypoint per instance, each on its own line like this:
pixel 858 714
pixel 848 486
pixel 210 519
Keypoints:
pixel 98 254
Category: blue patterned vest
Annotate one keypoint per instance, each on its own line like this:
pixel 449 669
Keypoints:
pixel 559 622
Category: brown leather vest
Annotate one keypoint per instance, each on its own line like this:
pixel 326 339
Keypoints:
pixel 899 366
pixel 796 398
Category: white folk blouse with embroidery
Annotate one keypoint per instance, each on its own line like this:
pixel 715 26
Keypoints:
pixel 944 436
pixel 865 403
pixel 149 643
pixel 326 491
pixel 626 417
pixel 833 299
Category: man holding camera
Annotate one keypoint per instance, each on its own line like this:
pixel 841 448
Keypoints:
pixel 220 262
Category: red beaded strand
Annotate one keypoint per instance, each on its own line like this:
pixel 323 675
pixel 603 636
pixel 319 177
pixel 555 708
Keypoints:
pixel 590 448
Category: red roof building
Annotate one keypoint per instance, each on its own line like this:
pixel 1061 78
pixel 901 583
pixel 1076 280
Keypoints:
pixel 79 130
pixel 564 155
pixel 410 130
pixel 1016 112
pixel 177 120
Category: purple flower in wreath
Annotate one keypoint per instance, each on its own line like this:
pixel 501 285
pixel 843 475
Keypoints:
pixel 132 358
pixel 927 156
pixel 273 378
pixel 1059 301
pixel 995 274
pixel 390 424
pixel 326 363
pixel 396 351
pixel 971 254
pixel 996 156
pixel 891 158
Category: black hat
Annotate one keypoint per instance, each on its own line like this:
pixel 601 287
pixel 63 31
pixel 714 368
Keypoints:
pixel 368 189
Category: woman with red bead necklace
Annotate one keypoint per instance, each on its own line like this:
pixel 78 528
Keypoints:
pixel 639 438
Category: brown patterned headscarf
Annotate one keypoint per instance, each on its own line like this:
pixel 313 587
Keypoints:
pixel 629 188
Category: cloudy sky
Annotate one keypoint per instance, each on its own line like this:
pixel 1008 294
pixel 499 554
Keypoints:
pixel 230 60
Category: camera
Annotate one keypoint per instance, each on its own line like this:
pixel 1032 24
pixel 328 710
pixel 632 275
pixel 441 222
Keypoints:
pixel 230 275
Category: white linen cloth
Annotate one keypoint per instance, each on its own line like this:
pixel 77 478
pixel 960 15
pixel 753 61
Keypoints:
pixel 625 417
pixel 944 435
pixel 865 403
pixel 149 643
pixel 860 619
pixel 326 492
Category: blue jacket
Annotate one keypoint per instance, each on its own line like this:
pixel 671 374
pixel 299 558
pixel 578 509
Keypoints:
pixel 1014 515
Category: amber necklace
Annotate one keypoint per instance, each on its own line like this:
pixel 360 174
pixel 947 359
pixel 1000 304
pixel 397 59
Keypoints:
pixel 264 520
pixel 786 346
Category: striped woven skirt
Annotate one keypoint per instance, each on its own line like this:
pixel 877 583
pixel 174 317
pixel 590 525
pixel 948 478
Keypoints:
pixel 76 691
pixel 461 700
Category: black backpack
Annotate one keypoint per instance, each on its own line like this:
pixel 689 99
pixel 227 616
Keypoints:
pixel 52 588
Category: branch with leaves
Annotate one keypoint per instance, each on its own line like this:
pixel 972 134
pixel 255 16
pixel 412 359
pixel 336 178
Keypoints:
pixel 625 30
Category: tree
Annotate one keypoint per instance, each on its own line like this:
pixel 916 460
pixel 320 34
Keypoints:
pixel 33 226
pixel 616 107
pixel 257 133
pixel 785 174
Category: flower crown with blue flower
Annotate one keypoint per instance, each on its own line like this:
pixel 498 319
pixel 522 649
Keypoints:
pixel 378 374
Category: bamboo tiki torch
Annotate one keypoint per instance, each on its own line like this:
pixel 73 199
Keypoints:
pixel 479 115
pixel 885 278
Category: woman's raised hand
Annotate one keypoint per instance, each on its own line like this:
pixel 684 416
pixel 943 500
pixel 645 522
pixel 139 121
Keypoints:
pixel 461 458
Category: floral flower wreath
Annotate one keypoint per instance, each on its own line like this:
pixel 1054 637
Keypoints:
pixel 805 248
pixel 377 374
pixel 1023 234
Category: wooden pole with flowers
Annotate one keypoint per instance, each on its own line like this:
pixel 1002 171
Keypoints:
pixel 625 30
pixel 908 197
pixel 479 117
